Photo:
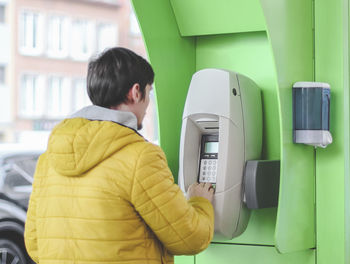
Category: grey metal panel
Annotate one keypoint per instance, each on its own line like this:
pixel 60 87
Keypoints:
pixel 261 182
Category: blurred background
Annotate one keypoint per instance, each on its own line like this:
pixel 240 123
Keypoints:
pixel 45 46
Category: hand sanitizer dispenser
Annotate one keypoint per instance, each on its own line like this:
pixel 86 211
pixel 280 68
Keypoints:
pixel 221 130
pixel 311 111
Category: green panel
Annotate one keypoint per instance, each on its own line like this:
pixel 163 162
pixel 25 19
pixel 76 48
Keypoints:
pixel 289 26
pixel 347 127
pixel 260 229
pixel 198 17
pixel 228 254
pixel 173 60
pixel 331 59
pixel 184 259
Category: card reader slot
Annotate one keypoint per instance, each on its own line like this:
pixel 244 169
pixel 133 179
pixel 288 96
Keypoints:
pixel 208 126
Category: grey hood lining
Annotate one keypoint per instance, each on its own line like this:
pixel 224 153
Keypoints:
pixel 94 112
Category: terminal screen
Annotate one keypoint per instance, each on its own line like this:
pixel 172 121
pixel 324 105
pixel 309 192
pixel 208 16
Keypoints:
pixel 211 147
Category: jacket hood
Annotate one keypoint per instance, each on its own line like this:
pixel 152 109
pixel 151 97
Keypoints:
pixel 79 143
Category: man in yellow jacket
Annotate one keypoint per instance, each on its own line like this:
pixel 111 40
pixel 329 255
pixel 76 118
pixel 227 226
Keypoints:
pixel 101 192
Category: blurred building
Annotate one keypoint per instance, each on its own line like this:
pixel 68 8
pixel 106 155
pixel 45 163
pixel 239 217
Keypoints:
pixel 43 60
pixel 6 115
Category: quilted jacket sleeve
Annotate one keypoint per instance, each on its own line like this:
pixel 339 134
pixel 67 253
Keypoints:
pixel 184 227
pixel 30 236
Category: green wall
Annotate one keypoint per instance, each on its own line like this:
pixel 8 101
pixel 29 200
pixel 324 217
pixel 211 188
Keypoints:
pixel 250 254
pixel 332 164
pixel 276 43
pixel 289 27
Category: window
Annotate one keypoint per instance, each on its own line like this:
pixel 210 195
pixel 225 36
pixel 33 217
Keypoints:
pixel 18 179
pixel 31 95
pixel 150 122
pixel 58 37
pixel 106 36
pixel 80 96
pixel 83 39
pixel 31 33
pixel 2 14
pixel 58 97
pixel 134 25
pixel 2 74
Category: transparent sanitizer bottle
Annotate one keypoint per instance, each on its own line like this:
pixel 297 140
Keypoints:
pixel 311 108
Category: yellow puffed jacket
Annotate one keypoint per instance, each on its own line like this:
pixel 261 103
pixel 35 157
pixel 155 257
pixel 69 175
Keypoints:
pixel 102 194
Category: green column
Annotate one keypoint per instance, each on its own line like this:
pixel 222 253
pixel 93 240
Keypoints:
pixel 332 163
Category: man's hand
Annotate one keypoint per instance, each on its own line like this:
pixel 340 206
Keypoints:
pixel 202 189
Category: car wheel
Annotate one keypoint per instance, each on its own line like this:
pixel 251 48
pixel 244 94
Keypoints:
pixel 10 253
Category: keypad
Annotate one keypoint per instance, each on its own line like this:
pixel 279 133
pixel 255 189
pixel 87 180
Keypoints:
pixel 208 170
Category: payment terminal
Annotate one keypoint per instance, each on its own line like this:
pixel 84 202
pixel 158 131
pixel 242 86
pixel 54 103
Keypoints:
pixel 221 130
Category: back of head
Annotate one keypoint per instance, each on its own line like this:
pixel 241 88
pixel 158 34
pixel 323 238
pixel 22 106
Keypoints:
pixel 113 73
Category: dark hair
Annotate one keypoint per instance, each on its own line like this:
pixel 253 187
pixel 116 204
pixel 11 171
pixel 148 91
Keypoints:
pixel 112 74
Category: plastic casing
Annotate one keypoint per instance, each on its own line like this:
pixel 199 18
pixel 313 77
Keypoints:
pixel 229 104
pixel 311 110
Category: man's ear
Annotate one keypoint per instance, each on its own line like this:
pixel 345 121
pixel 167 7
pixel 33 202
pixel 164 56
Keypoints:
pixel 134 94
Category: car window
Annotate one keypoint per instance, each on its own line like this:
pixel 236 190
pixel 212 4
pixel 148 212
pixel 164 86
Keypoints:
pixel 17 177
